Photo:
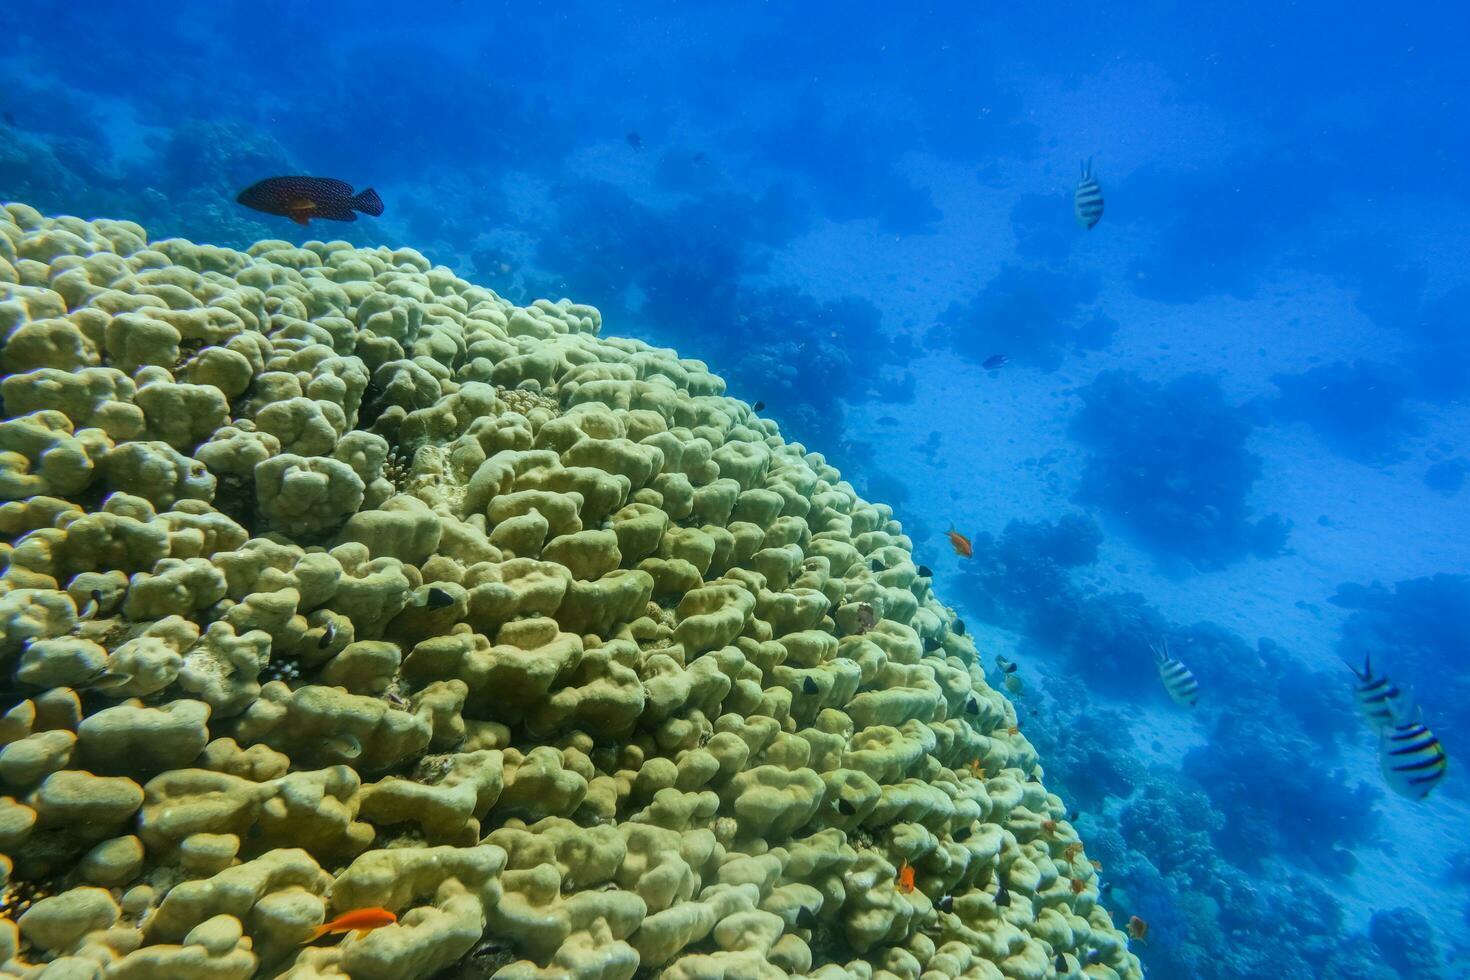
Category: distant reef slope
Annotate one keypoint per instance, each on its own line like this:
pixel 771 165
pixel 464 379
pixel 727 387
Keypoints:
pixel 332 581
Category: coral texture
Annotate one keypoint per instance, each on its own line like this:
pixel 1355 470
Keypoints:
pixel 333 581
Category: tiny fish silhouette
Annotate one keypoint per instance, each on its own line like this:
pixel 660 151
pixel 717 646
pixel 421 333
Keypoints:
pixel 437 598
pixel 945 903
pixel 758 406
pixel 358 920
pixel 995 362
pixel 925 571
pixel 1087 200
pixel 635 141
pixel 304 198
pixel 808 685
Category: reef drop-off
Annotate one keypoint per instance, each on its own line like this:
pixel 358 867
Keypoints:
pixel 332 581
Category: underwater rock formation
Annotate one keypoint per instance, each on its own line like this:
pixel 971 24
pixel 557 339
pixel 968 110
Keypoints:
pixel 331 581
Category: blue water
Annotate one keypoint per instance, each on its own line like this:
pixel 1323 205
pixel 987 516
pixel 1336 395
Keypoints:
pixel 1234 414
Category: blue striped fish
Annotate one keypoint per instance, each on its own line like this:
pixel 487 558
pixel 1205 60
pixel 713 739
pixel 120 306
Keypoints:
pixel 1378 697
pixel 1412 759
pixel 1178 679
pixel 1087 202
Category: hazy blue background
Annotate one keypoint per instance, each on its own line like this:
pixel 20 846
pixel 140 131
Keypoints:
pixel 1235 413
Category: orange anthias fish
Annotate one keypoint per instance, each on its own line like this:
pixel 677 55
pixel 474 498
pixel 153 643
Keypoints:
pixel 960 542
pixel 358 920
pixel 976 769
pixel 1072 851
pixel 1078 886
pixel 1137 929
pixel 905 878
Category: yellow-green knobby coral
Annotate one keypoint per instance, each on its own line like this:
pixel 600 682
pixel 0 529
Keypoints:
pixel 332 580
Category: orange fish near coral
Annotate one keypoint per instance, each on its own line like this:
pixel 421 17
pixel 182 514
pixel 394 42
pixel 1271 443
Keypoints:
pixel 358 920
pixel 1137 929
pixel 1049 826
pixel 960 542
pixel 1072 851
pixel 1078 886
pixel 976 769
pixel 1096 865
pixel 905 878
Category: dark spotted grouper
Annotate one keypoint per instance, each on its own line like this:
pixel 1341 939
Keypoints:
pixel 304 198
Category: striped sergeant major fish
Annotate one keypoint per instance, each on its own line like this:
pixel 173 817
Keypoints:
pixel 1410 755
pixel 1087 202
pixel 1378 696
pixel 1178 679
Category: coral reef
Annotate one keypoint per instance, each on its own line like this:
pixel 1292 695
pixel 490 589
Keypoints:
pixel 1170 463
pixel 333 581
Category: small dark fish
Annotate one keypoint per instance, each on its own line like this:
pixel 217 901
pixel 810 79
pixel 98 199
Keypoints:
pixel 945 903
pixel 1061 963
pixel 1002 897
pixel 867 618
pixel 1377 696
pixel 877 566
pixel 437 598
pixel 635 141
pixel 809 686
pixel 1107 888
pixel 1072 817
pixel 931 644
pixel 758 407
pixel 925 571
pixel 972 707
pixel 1087 200
pixel 806 916
pixel 1006 666
pixel 1412 759
pixel 97 596
pixel 963 834
pixel 846 808
pixel 304 198
pixel 1094 957
pixel 1033 778
pixel 995 362
pixel 326 638
pixel 959 627
pixel 1178 679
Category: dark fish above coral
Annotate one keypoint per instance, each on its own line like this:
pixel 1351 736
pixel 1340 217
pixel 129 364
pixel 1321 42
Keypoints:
pixel 1087 200
pixel 304 198
pixel 995 362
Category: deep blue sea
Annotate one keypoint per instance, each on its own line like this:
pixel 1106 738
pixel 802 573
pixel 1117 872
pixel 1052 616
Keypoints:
pixel 1233 414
